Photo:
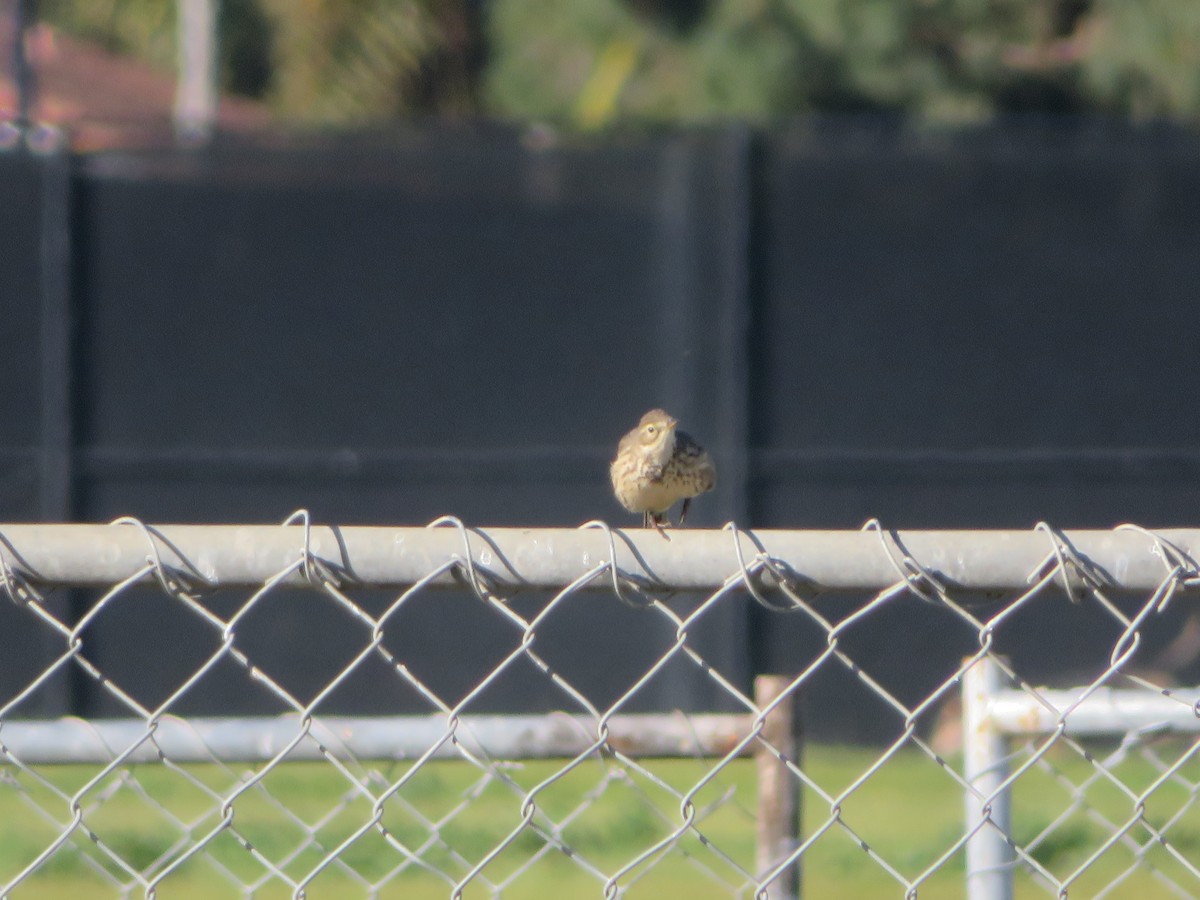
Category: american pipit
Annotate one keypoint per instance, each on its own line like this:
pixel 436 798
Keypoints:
pixel 657 466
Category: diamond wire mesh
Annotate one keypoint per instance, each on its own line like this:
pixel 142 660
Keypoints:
pixel 311 808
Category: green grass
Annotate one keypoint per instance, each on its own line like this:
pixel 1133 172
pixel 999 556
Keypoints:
pixel 909 814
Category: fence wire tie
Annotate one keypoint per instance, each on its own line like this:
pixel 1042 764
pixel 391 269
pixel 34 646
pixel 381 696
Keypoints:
pixel 1182 569
pixel 621 579
pixel 183 580
pixel 316 571
pixel 787 581
pixel 19 589
pixel 914 574
pixel 1069 562
pixel 483 586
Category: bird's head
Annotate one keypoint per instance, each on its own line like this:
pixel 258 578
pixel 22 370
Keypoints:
pixel 656 431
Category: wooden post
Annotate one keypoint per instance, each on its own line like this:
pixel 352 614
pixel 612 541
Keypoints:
pixel 779 797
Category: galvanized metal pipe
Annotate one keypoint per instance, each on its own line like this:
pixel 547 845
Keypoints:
pixel 1106 711
pixel 201 740
pixel 196 88
pixel 988 813
pixel 831 561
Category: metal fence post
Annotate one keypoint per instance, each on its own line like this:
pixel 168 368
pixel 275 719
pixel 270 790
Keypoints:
pixel 989 858
pixel 23 17
pixel 66 692
pixel 779 798
pixel 56 464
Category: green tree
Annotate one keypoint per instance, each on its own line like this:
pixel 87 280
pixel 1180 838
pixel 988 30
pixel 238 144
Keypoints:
pixel 1143 59
pixel 593 61
pixel 143 28
pixel 347 60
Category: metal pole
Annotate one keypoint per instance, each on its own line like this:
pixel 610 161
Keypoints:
pixel 1106 711
pixel 694 559
pixel 67 690
pixel 779 798
pixel 734 401
pixel 989 858
pixel 56 469
pixel 258 739
pixel 24 15
pixel 196 88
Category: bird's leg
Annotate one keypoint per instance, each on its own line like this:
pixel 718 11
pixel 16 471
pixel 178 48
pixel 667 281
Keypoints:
pixel 647 518
pixel 683 509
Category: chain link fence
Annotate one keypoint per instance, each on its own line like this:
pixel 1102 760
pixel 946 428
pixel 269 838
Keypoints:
pixel 1087 787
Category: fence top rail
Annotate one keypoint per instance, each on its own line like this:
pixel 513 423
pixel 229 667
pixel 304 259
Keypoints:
pixel 69 555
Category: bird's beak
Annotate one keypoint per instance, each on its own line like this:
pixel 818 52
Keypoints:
pixel 671 423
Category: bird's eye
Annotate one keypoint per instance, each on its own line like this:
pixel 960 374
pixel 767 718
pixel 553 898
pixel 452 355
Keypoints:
pixel 651 429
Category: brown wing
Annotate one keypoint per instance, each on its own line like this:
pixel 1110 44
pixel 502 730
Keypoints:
pixel 687 448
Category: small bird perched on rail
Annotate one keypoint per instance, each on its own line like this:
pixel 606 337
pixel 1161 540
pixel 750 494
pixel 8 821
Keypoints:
pixel 657 466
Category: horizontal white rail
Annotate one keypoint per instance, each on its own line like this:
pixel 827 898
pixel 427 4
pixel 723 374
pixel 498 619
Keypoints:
pixel 551 736
pixel 81 555
pixel 1106 711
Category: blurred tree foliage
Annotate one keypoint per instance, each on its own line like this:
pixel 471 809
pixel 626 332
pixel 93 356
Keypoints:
pixel 941 59
pixel 591 62
pixel 328 61
pixel 142 27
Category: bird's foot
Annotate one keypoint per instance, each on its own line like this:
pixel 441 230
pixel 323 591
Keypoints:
pixel 659 522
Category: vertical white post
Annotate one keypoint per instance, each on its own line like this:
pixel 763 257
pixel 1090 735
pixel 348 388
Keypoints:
pixel 196 88
pixel 989 857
